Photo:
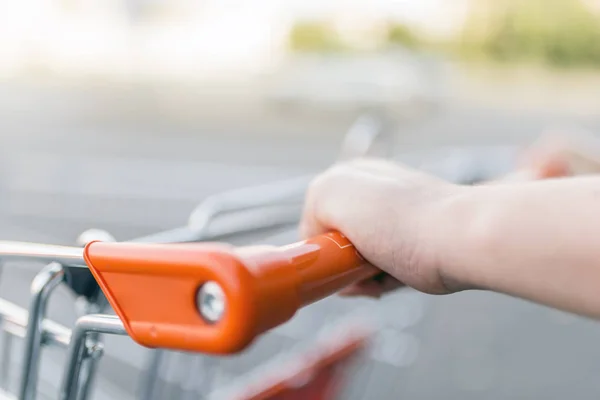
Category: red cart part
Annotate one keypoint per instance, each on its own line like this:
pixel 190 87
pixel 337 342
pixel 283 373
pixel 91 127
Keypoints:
pixel 161 292
pixel 319 379
pixel 318 373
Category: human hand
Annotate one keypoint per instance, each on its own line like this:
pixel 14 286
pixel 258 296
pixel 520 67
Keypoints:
pixel 558 153
pixel 389 212
pixel 394 215
pixel 384 209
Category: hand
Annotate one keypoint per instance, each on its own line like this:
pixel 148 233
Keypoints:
pixel 376 204
pixel 559 154
pixel 384 209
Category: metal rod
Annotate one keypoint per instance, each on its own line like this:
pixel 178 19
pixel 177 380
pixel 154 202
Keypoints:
pixel 88 375
pixel 94 344
pixel 7 341
pixel 14 329
pixel 286 192
pixel 15 321
pixel 77 348
pixel 41 288
pixel 93 353
pixel 198 230
pixel 66 255
pixel 58 337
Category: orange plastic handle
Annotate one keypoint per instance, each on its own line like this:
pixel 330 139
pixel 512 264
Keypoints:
pixel 153 288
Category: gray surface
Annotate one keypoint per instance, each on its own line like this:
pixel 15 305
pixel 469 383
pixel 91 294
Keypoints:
pixel 65 168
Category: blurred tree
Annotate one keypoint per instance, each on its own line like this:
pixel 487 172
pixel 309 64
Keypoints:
pixel 314 36
pixel 556 32
pixel 399 34
pixel 318 36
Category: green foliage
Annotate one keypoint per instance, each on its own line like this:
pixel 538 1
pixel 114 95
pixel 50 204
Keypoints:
pixel 314 37
pixel 398 34
pixel 555 32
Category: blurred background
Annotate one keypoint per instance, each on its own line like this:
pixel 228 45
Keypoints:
pixel 125 114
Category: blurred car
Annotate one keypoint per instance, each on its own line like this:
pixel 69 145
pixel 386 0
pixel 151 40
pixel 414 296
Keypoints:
pixel 393 81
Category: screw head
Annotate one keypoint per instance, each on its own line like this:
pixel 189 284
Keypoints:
pixel 211 302
pixel 95 350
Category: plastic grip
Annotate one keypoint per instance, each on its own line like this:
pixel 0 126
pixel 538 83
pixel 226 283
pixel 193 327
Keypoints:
pixel 153 288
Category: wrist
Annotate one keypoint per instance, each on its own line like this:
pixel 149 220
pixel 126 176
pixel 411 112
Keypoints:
pixel 463 228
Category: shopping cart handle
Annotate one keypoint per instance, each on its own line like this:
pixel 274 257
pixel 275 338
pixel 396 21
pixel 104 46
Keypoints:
pixel 216 298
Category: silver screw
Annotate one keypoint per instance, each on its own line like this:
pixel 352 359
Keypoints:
pixel 211 302
pixel 94 349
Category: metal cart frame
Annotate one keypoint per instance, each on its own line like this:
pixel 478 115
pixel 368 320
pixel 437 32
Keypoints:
pixel 260 207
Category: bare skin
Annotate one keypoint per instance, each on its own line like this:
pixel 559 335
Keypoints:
pixel 530 235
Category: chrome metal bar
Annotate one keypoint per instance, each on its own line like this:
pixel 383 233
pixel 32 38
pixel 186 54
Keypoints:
pixel 7 341
pixel 228 224
pixel 65 255
pixel 95 350
pixel 41 288
pixel 60 338
pixel 88 375
pixel 18 331
pixel 15 320
pixel 272 194
pixel 94 342
pixel 362 135
pixel 198 229
pixel 77 348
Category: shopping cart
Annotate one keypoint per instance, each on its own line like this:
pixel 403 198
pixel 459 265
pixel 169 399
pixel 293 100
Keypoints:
pixel 188 298
pixel 253 209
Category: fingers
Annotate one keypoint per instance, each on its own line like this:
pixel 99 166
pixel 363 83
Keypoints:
pixel 556 156
pixel 550 167
pixel 355 195
pixel 346 198
pixel 321 192
pixel 561 154
pixel 374 288
pixel 331 197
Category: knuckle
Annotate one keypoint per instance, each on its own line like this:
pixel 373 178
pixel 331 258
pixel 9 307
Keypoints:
pixel 322 184
pixel 324 194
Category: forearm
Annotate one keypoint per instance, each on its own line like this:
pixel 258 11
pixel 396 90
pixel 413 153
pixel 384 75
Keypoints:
pixel 539 241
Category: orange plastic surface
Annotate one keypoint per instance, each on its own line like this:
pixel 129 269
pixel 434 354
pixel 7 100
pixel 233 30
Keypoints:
pixel 153 287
